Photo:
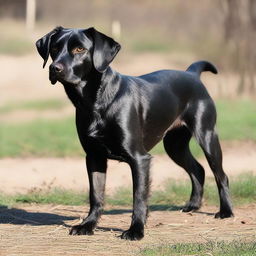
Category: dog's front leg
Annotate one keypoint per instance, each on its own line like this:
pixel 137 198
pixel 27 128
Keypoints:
pixel 141 182
pixel 96 169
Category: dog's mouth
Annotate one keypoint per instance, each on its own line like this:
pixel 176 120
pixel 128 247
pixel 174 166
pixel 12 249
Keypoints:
pixel 76 82
pixel 62 78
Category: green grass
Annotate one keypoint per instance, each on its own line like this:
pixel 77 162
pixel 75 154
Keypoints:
pixel 40 138
pixel 242 190
pixel 51 104
pixel 173 195
pixel 234 248
pixel 56 196
pixel 236 120
pixel 194 147
pixel 51 196
pixel 58 138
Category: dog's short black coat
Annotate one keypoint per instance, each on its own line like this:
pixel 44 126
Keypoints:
pixel 122 117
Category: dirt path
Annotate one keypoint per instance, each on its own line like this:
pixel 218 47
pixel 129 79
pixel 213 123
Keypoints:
pixel 22 175
pixel 44 230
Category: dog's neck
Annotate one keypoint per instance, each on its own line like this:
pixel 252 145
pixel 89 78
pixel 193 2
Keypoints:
pixel 94 92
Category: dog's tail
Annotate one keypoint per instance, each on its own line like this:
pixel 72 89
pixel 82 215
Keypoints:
pixel 200 66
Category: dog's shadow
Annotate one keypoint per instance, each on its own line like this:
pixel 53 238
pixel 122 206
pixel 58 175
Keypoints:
pixel 22 217
pixel 17 216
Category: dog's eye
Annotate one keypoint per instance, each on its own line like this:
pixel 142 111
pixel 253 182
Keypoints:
pixel 79 50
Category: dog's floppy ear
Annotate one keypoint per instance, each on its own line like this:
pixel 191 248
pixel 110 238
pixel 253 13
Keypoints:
pixel 43 44
pixel 104 49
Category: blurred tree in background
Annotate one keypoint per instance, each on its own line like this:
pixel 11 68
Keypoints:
pixel 240 35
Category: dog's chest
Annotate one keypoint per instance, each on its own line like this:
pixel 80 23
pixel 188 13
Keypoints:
pixel 106 137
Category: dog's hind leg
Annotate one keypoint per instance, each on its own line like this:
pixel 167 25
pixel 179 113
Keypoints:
pixel 207 138
pixel 210 144
pixel 176 144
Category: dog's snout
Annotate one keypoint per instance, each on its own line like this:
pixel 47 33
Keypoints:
pixel 57 67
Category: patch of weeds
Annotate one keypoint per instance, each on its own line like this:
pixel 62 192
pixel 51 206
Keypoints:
pixel 235 248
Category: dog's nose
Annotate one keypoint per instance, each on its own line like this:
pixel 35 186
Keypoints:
pixel 57 67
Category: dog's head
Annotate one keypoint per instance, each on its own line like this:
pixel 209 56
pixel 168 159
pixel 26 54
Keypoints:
pixel 75 53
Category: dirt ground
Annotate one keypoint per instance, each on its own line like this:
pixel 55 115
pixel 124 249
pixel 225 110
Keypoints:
pixel 43 230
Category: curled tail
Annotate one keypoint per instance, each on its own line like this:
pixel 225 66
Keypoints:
pixel 200 66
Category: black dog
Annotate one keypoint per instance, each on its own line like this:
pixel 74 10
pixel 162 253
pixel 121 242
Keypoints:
pixel 123 117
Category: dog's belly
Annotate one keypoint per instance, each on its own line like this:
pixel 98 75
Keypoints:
pixel 155 131
pixel 150 141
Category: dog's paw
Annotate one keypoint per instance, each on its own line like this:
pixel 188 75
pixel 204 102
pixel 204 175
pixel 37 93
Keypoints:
pixel 81 230
pixel 224 214
pixel 132 234
pixel 190 207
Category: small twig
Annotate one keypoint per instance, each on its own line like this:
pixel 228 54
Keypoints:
pixel 56 229
pixel 207 231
